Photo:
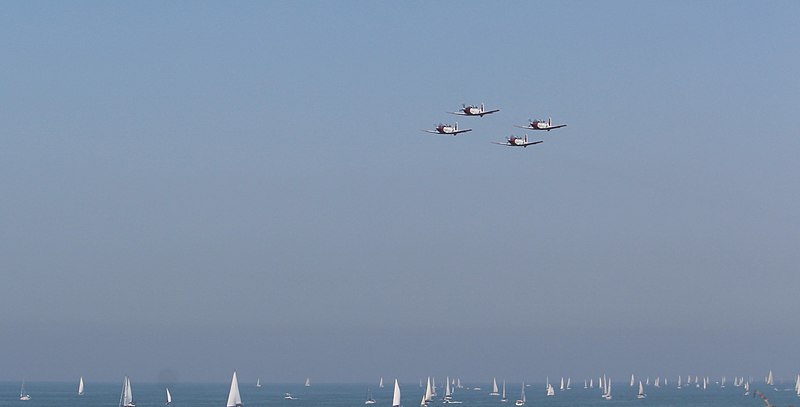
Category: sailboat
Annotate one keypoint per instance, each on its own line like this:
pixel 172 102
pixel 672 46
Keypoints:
pixel 641 394
pixel 522 399
pixel 632 381
pixel 561 387
pixel 234 398
pixel 569 381
pixel 423 402
pixel 448 395
pixel 679 382
pixel 126 398
pixel 797 385
pixel 746 388
pixel 258 382
pixel 22 395
pixel 380 383
pixel 550 390
pixel 770 380
pixel 80 387
pixel 396 396
pixel 494 388
pixel 369 400
pixel 308 382
pixel 504 399
pixel 607 392
pixel 169 397
pixel 428 392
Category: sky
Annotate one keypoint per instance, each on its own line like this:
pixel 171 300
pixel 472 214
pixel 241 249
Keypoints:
pixel 190 188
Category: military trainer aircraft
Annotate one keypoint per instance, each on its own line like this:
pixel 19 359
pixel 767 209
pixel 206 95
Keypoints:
pixel 473 111
pixel 447 129
pixel 515 141
pixel 542 125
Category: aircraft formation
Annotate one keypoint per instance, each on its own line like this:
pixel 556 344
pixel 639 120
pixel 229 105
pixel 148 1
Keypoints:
pixel 480 111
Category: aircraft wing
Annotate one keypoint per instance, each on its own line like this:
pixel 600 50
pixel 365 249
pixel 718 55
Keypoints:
pixel 532 143
pixel 525 127
pixel 432 131
pixel 490 111
pixel 460 113
pixel 556 127
pixel 501 144
pixel 460 131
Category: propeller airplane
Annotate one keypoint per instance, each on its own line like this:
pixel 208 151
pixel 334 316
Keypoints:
pixel 447 129
pixel 515 141
pixel 542 125
pixel 473 111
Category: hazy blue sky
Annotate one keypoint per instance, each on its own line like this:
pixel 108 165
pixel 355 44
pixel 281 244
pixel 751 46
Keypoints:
pixel 207 186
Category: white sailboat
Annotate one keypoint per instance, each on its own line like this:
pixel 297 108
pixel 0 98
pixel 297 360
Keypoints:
pixel 632 381
pixel 770 380
pixel 234 398
pixel 448 392
pixel 641 394
pixel 494 392
pixel 423 402
pixel 380 383
pixel 428 392
pixel 550 390
pixel 308 382
pixel 504 399
pixel 607 392
pixel 797 385
pixel 23 396
pixel 369 400
pixel 458 384
pixel 561 387
pixel 396 396
pixel 569 381
pixel 746 388
pixel 679 382
pixel 522 398
pixel 258 382
pixel 126 398
pixel 169 397
pixel 80 386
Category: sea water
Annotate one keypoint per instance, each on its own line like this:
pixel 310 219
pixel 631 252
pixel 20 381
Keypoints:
pixel 353 395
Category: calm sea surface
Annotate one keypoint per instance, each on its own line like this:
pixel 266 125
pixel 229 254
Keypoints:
pixel 352 395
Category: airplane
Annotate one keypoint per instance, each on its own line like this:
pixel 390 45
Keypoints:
pixel 515 141
pixel 473 111
pixel 542 125
pixel 447 129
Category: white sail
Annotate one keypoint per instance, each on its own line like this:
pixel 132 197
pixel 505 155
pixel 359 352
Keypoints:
pixel 448 394
pixel 641 394
pixel 169 396
pixel 308 382
pixel 797 385
pixel 433 386
pixel 503 397
pixel 632 381
pixel 80 387
pixel 126 399
pixel 396 397
pixel 770 380
pixel 569 381
pixel 423 402
pixel 550 390
pixel 494 387
pixel 380 383
pixel 561 387
pixel 234 399
pixel 258 382
pixel 428 391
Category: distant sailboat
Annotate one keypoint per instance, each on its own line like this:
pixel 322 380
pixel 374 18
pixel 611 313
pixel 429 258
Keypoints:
pixel 770 380
pixel 234 398
pixel 561 387
pixel 504 399
pixel 448 394
pixel 632 381
pixel 746 388
pixel 797 385
pixel 22 394
pixel 550 390
pixel 494 392
pixel 258 382
pixel 126 398
pixel 569 381
pixel 80 387
pixel 308 382
pixel 396 396
pixel 369 400
pixel 641 394
pixel 679 382
pixel 428 392
pixel 380 383
pixel 522 399
pixel 169 397
pixel 607 392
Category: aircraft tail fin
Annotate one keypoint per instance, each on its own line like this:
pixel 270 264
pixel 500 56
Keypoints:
pixel 482 109
pixel 549 121
pixel 456 126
